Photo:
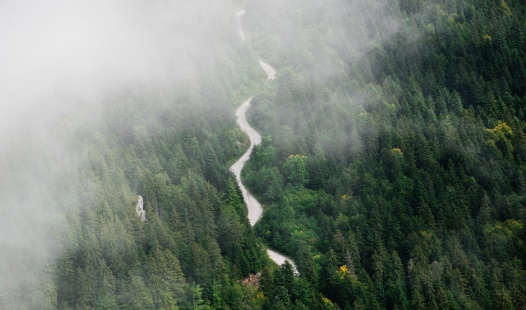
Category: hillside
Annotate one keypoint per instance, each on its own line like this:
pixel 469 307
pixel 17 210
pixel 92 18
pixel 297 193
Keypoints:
pixel 70 181
pixel 391 169
pixel 393 151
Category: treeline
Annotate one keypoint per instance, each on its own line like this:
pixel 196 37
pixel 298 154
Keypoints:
pixel 393 159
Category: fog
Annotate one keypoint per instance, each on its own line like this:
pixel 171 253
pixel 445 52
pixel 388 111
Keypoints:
pixel 341 32
pixel 326 45
pixel 61 62
pixel 56 51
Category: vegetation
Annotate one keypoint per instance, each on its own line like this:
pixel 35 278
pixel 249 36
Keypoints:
pixel 393 164
pixel 392 167
pixel 170 144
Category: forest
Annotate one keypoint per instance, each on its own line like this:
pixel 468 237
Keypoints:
pixel 392 169
pixel 393 155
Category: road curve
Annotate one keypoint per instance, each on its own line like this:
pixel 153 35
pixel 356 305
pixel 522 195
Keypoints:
pixel 255 210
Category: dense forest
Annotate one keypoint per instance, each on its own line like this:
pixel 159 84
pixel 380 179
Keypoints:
pixel 392 169
pixel 393 161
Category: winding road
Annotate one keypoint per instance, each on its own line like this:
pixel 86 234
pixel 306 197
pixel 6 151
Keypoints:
pixel 255 210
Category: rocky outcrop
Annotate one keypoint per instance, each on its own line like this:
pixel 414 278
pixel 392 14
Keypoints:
pixel 139 208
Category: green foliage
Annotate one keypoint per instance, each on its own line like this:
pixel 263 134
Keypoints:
pixel 412 127
pixel 297 168
pixel 409 191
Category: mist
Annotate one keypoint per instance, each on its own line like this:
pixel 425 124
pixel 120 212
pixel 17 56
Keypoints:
pixel 327 34
pixel 61 51
pixel 62 62
pixel 326 46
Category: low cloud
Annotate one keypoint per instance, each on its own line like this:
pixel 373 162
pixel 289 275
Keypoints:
pixel 61 60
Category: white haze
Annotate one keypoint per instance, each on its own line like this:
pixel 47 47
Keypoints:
pixel 62 59
pixel 67 57
pixel 68 50
pixel 341 33
pixel 330 38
